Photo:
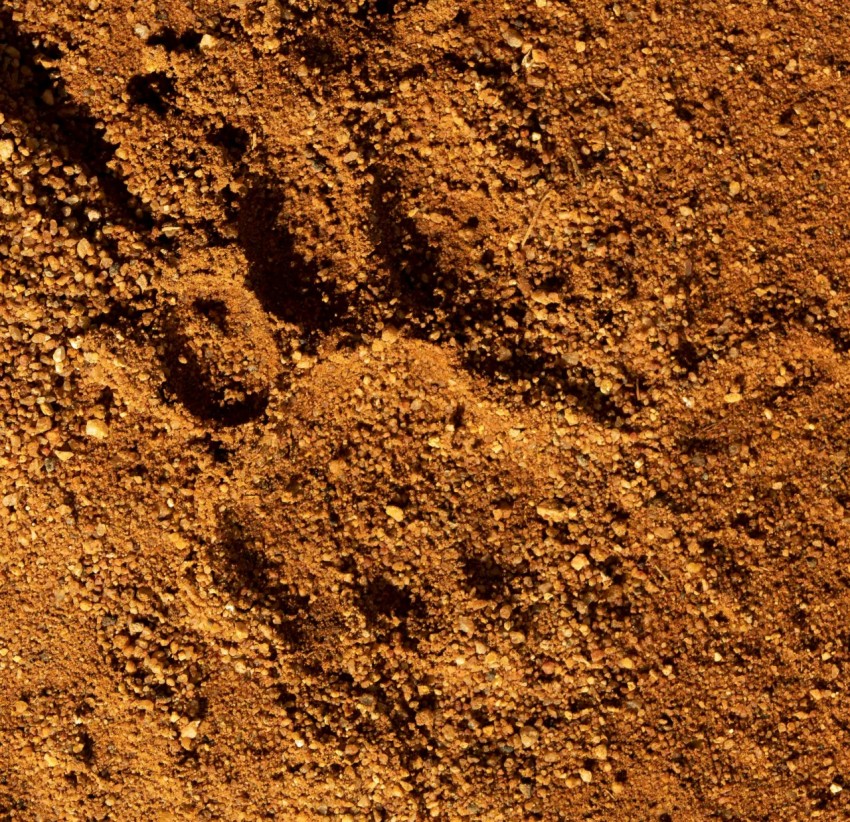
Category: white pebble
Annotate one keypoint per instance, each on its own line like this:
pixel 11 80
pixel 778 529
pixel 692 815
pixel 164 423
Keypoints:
pixel 97 429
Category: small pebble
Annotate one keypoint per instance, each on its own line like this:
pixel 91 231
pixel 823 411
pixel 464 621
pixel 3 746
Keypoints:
pixel 84 249
pixel 552 511
pixel 394 512
pixel 513 39
pixel 190 730
pixel 579 562
pixel 97 429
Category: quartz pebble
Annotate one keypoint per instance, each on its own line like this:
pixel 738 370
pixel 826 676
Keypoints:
pixel 394 512
pixel 97 429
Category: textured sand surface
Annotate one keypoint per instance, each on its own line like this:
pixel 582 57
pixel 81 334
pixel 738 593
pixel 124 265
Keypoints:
pixel 424 409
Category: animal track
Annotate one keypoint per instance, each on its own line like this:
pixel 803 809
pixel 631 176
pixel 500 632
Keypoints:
pixel 219 359
pixel 429 286
pixel 287 285
pixel 72 124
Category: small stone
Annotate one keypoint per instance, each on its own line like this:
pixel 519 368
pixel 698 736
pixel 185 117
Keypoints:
pixel 579 562
pixel 581 46
pixel 513 39
pixel 424 717
pixel 585 776
pixel 394 512
pixel 835 789
pixel 732 397
pixel 465 625
pixel 734 188
pixel 552 510
pixel 545 297
pixel 190 730
pixel 529 736
pixel 97 429
pixel 207 42
pixel 84 249
pixel 7 149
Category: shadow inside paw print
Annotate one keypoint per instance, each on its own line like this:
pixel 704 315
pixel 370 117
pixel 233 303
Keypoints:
pixel 69 125
pixel 430 295
pixel 287 285
pixel 219 361
pixel 241 566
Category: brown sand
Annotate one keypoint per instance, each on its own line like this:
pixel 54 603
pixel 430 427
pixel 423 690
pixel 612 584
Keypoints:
pixel 424 409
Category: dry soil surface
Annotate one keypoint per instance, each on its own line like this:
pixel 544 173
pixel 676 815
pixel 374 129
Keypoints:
pixel 424 409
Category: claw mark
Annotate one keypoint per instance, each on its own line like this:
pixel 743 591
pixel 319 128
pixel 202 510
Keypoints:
pixel 70 125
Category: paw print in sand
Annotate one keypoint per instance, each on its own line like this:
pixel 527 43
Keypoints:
pixel 388 541
pixel 220 360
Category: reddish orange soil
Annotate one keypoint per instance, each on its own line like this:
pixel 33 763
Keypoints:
pixel 424 409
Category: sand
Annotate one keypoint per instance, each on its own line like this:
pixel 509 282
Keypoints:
pixel 424 410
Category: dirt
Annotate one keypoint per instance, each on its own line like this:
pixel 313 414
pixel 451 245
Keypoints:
pixel 424 409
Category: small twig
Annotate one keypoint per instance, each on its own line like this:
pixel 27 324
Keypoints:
pixel 571 156
pixel 709 427
pixel 534 218
pixel 601 93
